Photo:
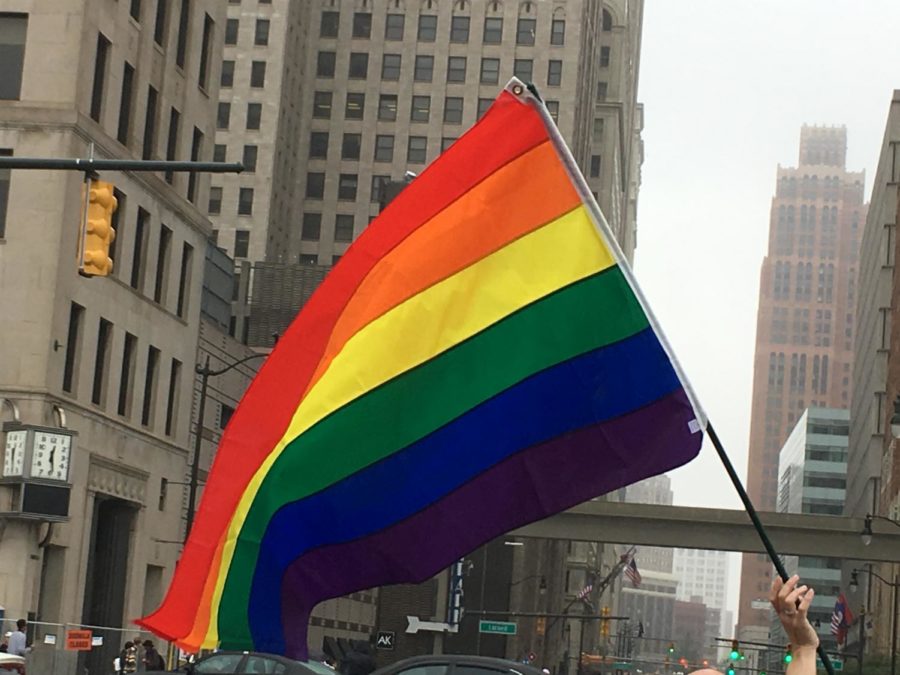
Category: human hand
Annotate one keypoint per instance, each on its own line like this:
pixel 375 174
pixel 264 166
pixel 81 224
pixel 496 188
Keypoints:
pixel 791 602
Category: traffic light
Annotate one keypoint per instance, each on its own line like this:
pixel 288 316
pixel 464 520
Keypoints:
pixel 98 230
pixel 671 647
pixel 788 657
pixel 735 651
pixel 730 670
pixel 604 622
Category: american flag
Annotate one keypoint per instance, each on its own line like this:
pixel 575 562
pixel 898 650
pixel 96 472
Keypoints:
pixel 586 591
pixel 631 571
pixel 841 619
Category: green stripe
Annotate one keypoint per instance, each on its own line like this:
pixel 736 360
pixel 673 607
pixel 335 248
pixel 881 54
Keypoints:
pixel 586 315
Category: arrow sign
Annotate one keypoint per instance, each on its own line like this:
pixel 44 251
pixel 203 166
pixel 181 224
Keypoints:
pixel 414 625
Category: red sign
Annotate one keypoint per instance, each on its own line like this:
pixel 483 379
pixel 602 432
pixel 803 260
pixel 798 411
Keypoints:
pixel 78 640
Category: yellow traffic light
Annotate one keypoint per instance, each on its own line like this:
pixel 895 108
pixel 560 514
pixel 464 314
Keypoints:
pixel 98 230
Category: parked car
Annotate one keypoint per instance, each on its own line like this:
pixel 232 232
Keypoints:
pixel 250 663
pixel 457 664
pixel 10 663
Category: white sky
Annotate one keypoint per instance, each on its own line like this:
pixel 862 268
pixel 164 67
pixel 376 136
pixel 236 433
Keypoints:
pixel 726 86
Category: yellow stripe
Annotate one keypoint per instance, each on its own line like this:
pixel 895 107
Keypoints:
pixel 458 307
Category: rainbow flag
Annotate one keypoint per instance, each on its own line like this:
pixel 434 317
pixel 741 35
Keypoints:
pixel 480 359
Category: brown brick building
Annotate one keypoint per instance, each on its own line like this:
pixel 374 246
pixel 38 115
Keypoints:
pixel 805 325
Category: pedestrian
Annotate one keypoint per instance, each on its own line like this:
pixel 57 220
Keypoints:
pixel 18 640
pixel 128 659
pixel 153 660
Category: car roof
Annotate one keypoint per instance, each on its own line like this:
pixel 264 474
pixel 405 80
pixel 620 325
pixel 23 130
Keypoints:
pixel 486 661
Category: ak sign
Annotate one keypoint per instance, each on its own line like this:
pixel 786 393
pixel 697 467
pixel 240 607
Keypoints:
pixel 385 639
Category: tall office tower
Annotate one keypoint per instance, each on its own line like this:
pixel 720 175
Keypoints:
pixel 805 325
pixel 655 490
pixel 96 374
pixel 388 86
pixel 704 574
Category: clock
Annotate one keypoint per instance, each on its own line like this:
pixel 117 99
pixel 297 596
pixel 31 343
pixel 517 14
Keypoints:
pixel 14 455
pixel 50 455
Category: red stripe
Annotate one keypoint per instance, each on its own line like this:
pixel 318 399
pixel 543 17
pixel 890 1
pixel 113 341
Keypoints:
pixel 506 131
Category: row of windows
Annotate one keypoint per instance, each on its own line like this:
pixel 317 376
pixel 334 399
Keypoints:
pixel 253 119
pixel 427 29
pixel 311 229
pixel 781 287
pixel 260 34
pixel 809 187
pixel 776 369
pixel 257 74
pixel 423 69
pixel 103 370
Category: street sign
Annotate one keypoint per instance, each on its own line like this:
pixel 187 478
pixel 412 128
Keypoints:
pixel 78 640
pixel 385 639
pixel 501 627
pixel 415 624
pixel 622 665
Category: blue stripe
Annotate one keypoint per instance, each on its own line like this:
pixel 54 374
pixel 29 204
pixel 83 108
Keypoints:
pixel 595 387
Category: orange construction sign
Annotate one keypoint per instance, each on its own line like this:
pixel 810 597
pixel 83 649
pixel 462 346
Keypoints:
pixel 78 640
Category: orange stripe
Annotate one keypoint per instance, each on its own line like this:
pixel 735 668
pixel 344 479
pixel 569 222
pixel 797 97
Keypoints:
pixel 525 194
pixel 194 640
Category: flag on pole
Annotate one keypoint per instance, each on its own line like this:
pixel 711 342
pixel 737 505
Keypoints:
pixel 841 619
pixel 631 571
pixel 586 591
pixel 480 358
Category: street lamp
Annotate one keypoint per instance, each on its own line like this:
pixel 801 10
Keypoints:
pixel 205 372
pixel 866 534
pixel 854 585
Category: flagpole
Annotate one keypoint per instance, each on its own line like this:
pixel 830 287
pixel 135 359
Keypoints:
pixel 530 93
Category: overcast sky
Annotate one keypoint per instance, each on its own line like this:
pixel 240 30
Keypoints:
pixel 726 86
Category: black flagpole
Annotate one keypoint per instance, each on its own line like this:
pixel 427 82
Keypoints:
pixel 757 524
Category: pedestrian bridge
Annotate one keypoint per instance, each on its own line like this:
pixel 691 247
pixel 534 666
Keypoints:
pixel 719 529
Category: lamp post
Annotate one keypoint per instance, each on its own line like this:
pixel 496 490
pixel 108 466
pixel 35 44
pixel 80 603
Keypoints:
pixel 854 585
pixel 205 372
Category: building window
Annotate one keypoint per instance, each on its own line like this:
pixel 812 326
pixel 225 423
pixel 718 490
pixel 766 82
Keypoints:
pixel 308 259
pixel 223 115
pixel 312 227
pixel 227 79
pixel 149 403
pixel 490 71
pixel 459 29
pixel 483 105
pixel 141 232
pixel 524 69
pixel 607 21
pixel 558 32
pixel 525 31
pixel 172 398
pixel 135 10
pixel 220 152
pixel 315 185
pixel 601 90
pixel 150 124
pixel 362 25
pixel 101 362
pixel 126 376
pixel 99 77
pixel 162 265
pixel 258 74
pixel 184 279
pixel 493 30
pixel 390 67
pixel 384 148
pixel 350 146
pixel 424 70
pixel 231 31
pixel 453 110
pixel 215 200
pixel 322 105
pixel 604 57
pixel 347 185
pixel 427 28
pixel 125 104
pixel 73 347
pixel 261 37
pixel 378 183
pixel 328 28
pixel 172 142
pixel 254 115
pixel 159 28
pixel 416 150
pixel 387 107
pixel 446 142
pixel 356 103
pixel 359 65
pixel 553 109
pixel 456 69
pixel 343 227
pixel 245 202
pixel 181 39
pixel 318 144
pixel 420 111
pixel 205 49
pixel 393 27
pixel 241 243
pixel 554 73
pixel 249 158
pixel 595 166
pixel 325 64
pixel 13 28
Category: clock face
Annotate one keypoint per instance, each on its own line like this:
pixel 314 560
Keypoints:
pixel 50 457
pixel 14 456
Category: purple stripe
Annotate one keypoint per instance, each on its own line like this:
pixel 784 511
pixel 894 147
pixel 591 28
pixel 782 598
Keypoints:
pixel 527 487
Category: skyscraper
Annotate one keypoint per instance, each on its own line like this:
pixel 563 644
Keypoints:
pixel 805 325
